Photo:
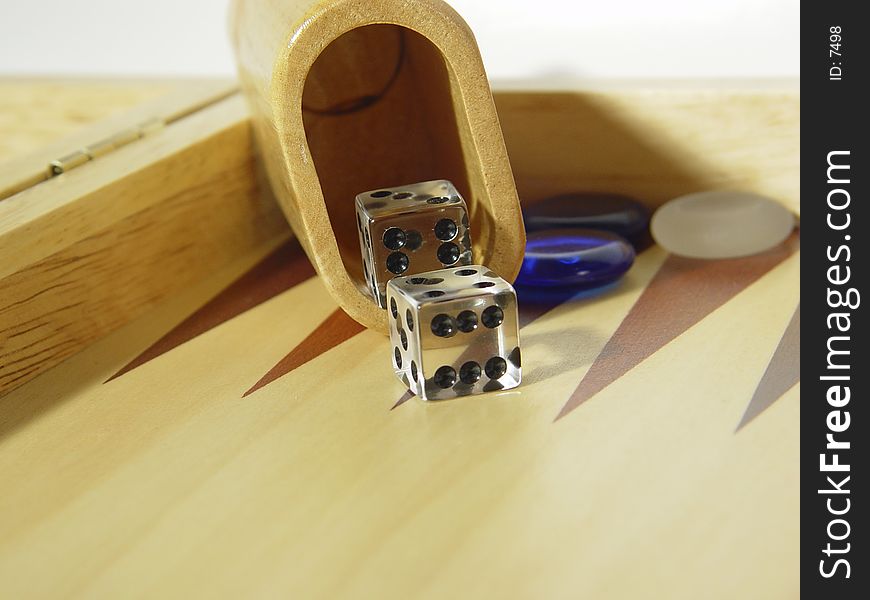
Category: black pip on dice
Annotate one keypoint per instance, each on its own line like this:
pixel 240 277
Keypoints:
pixel 454 332
pixel 410 229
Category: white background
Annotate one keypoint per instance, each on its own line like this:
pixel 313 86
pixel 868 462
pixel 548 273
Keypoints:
pixel 518 38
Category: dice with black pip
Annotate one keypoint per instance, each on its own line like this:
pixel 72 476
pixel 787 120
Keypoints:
pixel 411 229
pixel 454 332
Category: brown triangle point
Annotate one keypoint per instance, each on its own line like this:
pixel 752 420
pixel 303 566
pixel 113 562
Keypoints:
pixel 281 270
pixel 682 293
pixel 405 397
pixel 334 331
pixel 782 373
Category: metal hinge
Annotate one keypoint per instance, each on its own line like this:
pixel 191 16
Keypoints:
pixel 113 142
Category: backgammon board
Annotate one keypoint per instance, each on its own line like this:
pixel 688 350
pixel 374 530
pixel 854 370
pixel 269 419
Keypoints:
pixel 243 437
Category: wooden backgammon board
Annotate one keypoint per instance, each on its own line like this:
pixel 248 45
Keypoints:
pixel 185 411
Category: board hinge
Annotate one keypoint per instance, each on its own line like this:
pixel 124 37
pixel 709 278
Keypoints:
pixel 104 146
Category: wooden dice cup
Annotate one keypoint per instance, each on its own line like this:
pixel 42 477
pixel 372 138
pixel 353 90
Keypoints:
pixel 349 96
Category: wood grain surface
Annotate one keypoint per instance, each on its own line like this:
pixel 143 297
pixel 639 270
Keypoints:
pixel 35 112
pixel 85 252
pixel 169 481
pixel 654 140
pixel 235 440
